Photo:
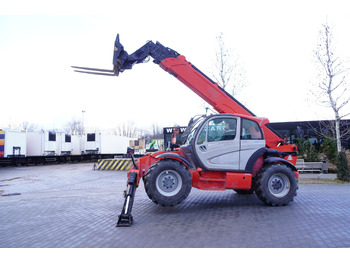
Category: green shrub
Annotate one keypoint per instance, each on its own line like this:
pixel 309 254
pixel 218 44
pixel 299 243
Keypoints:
pixel 329 148
pixel 343 167
pixel 307 151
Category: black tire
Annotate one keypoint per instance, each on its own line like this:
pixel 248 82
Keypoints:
pixel 276 185
pixel 167 182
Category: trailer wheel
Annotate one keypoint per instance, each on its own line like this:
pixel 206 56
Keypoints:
pixel 276 185
pixel 167 182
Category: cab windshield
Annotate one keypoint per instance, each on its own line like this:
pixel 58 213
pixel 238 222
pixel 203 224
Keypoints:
pixel 191 129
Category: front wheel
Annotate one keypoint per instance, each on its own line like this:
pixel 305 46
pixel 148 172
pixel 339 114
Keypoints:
pixel 168 182
pixel 276 185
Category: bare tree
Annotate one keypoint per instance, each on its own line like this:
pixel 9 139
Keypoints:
pixel 157 132
pixel 332 87
pixel 29 127
pixel 25 125
pixel 327 128
pixel 74 127
pixel 228 73
pixel 127 129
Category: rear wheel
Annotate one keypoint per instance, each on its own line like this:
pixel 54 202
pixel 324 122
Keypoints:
pixel 276 185
pixel 168 182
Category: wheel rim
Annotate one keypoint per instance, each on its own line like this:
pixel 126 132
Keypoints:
pixel 279 185
pixel 169 183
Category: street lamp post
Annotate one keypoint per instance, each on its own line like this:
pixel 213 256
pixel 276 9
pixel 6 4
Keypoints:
pixel 82 121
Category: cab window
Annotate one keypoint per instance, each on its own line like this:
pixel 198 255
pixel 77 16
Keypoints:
pixel 221 129
pixel 202 135
pixel 251 130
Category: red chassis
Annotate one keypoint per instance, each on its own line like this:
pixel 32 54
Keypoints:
pixel 204 180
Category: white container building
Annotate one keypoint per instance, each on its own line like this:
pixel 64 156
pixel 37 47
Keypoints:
pixel 13 143
pixel 97 143
pixel 50 143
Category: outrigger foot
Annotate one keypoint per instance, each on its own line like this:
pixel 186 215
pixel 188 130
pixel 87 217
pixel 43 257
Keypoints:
pixel 125 219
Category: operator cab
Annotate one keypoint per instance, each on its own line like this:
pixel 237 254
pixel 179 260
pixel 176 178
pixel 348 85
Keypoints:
pixel 222 142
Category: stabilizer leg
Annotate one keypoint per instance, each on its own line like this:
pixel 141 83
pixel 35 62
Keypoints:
pixel 125 219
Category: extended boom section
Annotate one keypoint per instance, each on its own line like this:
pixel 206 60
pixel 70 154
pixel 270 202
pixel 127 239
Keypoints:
pixel 177 65
pixel 184 71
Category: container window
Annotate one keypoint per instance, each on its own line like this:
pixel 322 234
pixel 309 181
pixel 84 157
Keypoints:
pixel 68 138
pixel 52 136
pixel 91 137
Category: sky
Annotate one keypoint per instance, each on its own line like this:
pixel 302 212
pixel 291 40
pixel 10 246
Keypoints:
pixel 273 40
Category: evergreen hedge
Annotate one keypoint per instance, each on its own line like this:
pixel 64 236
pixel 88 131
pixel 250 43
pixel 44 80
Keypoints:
pixel 343 167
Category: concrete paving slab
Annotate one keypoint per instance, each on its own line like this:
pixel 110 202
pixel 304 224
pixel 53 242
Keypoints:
pixel 74 206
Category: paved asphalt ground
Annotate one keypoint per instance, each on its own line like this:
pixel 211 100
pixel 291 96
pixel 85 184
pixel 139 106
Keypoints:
pixel 72 206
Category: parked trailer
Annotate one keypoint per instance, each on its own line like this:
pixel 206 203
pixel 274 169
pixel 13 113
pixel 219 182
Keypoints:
pixel 12 143
pixel 99 143
pixel 55 147
pixel 49 143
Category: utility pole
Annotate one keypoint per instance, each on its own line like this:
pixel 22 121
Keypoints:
pixel 82 122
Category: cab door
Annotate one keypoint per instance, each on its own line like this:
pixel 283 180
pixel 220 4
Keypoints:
pixel 217 144
pixel 252 140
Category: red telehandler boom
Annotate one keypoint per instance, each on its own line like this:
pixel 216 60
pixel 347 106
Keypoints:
pixel 233 149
